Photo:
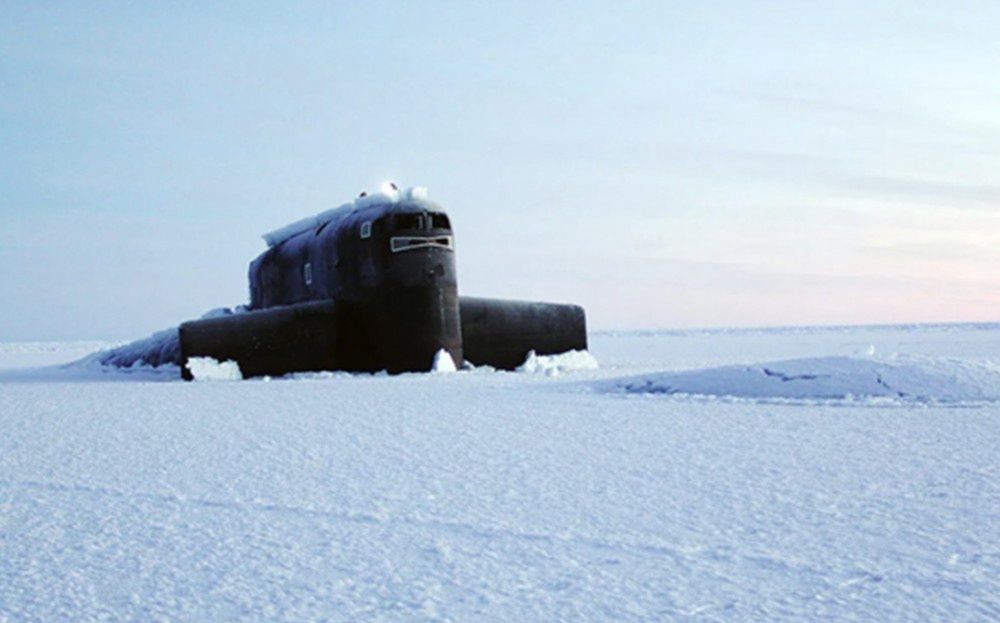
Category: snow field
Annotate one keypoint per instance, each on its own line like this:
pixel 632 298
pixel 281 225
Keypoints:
pixel 500 496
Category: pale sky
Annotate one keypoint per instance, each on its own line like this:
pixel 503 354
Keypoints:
pixel 664 164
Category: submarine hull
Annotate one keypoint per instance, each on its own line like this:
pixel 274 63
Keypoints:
pixel 401 334
pixel 501 333
pixel 270 342
pixel 414 324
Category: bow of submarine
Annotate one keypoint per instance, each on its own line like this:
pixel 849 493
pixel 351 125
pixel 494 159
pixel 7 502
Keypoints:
pixel 418 313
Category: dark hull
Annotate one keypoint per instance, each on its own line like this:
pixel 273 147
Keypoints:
pixel 275 341
pixel 501 333
pixel 413 325
pixel 401 334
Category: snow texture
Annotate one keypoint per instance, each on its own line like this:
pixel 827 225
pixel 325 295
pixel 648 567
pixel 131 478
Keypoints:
pixel 209 369
pixel 554 365
pixel 443 363
pixel 161 348
pixel 817 378
pixel 492 496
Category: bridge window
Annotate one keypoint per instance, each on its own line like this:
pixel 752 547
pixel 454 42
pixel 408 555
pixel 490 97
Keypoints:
pixel 366 229
pixel 439 221
pixel 409 221
pixel 307 273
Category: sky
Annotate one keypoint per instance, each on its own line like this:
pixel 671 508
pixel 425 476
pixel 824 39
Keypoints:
pixel 664 164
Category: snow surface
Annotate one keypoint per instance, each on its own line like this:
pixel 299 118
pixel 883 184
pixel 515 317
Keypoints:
pixel 498 496
pixel 25 354
pixel 554 365
pixel 209 369
pixel 443 363
pixel 816 378
pixel 160 348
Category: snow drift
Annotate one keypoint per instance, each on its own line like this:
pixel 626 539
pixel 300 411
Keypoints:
pixel 830 378
pixel 208 369
pixel 554 365
pixel 159 349
pixel 162 348
pixel 443 363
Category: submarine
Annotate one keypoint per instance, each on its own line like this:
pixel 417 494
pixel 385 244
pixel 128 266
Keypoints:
pixel 372 286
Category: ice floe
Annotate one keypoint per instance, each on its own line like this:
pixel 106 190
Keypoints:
pixel 909 378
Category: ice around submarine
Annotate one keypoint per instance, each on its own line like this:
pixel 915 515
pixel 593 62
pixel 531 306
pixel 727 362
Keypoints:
pixel 371 286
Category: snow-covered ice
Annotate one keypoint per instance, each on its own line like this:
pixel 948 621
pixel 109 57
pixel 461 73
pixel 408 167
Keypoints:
pixel 443 363
pixel 209 369
pixel 503 496
pixel 945 380
pixel 554 365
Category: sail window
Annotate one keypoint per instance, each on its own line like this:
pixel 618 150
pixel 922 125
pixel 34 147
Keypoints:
pixel 409 221
pixel 408 243
pixel 439 221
